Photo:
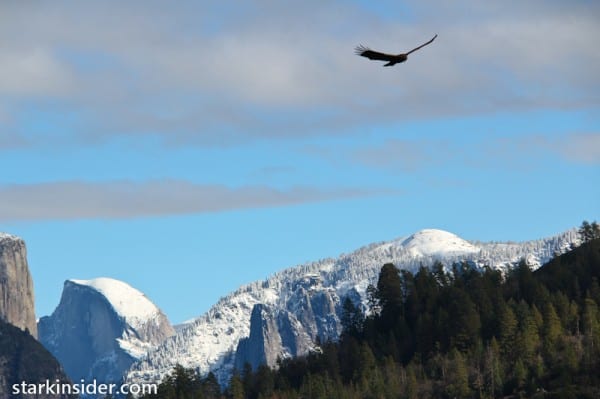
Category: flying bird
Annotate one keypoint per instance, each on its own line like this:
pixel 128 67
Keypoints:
pixel 392 59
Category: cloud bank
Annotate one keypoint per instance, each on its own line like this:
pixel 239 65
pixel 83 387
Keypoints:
pixel 204 74
pixel 126 199
pixel 412 155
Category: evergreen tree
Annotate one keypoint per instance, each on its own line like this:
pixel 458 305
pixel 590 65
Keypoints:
pixel 236 386
pixel 211 387
pixel 440 274
pixel 373 300
pixel 393 382
pixel 350 358
pixel 519 375
pixel 508 331
pixel 464 324
pixel 591 327
pixel 411 386
pixel 588 231
pixel 552 328
pixel 528 339
pixel 265 380
pixel 458 376
pixel 389 294
pixel 493 369
pixel 249 381
pixel 367 362
pixel 352 318
pixel 184 381
pixel 314 387
pixel 369 375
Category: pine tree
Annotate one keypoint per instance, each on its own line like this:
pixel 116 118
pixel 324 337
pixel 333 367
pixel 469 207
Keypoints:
pixel 552 329
pixel 537 317
pixel 519 376
pixel 411 387
pixel 591 327
pixel 440 274
pixel 392 375
pixel 184 381
pixel 585 231
pixel 508 331
pixel 493 369
pixel 265 381
pixel 248 380
pixel 314 387
pixel 350 357
pixel 352 318
pixel 528 339
pixel 373 300
pixel 588 231
pixel 367 361
pixel 389 294
pixel 464 323
pixel 458 376
pixel 236 386
pixel 594 290
pixel 211 387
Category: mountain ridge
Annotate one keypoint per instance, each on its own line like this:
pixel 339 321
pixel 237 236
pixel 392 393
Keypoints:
pixel 301 294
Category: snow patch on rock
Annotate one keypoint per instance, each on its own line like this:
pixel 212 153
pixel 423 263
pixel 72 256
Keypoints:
pixel 128 302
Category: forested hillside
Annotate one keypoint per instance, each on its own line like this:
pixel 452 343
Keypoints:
pixel 23 359
pixel 439 334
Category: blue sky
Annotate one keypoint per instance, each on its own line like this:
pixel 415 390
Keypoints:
pixel 190 149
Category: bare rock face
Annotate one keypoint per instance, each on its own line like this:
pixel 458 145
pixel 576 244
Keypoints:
pixel 16 286
pixel 101 327
pixel 311 314
pixel 264 343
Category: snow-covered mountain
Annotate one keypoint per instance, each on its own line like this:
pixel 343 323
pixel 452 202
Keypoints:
pixel 285 314
pixel 101 327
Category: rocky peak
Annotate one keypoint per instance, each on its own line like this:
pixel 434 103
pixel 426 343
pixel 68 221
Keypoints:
pixel 101 327
pixel 16 285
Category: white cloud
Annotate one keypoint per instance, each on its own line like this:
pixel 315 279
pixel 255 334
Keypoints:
pixel 34 72
pixel 207 74
pixel 400 155
pixel 583 148
pixel 506 152
pixel 127 199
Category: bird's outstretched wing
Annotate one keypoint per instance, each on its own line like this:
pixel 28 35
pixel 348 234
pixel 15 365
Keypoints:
pixel 422 45
pixel 372 55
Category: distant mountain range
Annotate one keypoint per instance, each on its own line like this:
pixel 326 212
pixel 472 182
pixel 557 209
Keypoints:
pixel 287 313
pixel 108 330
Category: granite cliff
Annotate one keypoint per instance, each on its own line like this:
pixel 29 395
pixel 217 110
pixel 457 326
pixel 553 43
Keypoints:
pixel 16 286
pixel 101 327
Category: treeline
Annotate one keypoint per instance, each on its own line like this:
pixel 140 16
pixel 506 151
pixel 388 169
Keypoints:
pixel 437 334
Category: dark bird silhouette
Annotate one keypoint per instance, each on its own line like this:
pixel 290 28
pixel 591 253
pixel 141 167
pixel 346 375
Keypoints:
pixel 392 59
